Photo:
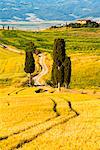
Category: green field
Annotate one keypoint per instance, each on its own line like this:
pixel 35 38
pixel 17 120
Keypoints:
pixel 82 45
pixel 77 40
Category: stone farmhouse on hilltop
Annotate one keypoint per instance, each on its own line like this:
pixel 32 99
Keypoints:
pixel 84 21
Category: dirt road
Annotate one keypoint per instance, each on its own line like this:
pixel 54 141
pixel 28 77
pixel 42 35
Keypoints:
pixel 43 72
pixel 11 49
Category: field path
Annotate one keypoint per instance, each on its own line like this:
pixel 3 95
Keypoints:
pixel 43 72
pixel 11 49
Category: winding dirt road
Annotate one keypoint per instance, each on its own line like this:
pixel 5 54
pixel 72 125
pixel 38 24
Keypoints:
pixel 43 72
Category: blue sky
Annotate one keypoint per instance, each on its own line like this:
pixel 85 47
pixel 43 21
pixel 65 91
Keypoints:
pixel 40 10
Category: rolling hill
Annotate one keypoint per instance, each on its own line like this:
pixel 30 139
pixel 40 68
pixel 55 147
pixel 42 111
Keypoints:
pixel 82 45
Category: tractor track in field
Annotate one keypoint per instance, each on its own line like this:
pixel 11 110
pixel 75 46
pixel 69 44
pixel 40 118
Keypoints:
pixel 25 129
pixel 20 131
pixel 16 91
pixel 38 129
pixel 26 141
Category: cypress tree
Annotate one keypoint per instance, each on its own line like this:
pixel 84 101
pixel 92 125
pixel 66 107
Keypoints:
pixel 30 46
pixel 58 59
pixel 54 74
pixel 59 50
pixel 8 27
pixel 60 76
pixel 61 69
pixel 67 71
pixel 29 65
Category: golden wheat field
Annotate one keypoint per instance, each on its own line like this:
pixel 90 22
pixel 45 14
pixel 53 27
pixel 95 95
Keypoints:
pixel 12 68
pixel 46 121
pixel 85 70
pixel 69 120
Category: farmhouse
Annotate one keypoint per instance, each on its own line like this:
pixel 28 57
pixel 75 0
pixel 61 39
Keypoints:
pixel 84 21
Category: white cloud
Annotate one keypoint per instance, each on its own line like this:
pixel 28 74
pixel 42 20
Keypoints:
pixel 33 18
pixel 74 1
pixel 86 9
pixel 4 9
pixel 37 8
pixel 97 19
pixel 15 8
pixel 25 3
pixel 88 1
pixel 10 4
pixel 73 15
pixel 16 18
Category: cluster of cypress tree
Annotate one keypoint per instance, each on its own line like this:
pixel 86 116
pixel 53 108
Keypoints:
pixel 61 69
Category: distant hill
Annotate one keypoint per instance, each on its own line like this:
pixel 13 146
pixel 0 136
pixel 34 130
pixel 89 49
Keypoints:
pixel 38 10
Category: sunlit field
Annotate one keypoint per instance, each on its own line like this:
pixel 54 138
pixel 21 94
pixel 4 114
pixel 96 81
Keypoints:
pixel 50 120
pixel 45 121
pixel 12 68
pixel 85 70
pixel 82 45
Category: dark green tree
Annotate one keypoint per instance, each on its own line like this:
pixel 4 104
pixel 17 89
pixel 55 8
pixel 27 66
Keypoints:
pixel 74 25
pixel 59 50
pixel 29 65
pixel 30 46
pixel 60 76
pixel 91 24
pixel 61 69
pixel 58 59
pixel 54 74
pixel 67 71
pixel 57 75
pixel 8 27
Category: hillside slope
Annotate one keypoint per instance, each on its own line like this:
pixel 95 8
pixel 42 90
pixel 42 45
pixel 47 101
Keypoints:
pixel 82 45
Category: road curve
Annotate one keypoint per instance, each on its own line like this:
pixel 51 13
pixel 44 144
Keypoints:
pixel 43 72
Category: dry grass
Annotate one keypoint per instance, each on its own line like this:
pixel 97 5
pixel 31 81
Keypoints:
pixel 45 121
pixel 80 133
pixel 85 70
pixel 12 68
